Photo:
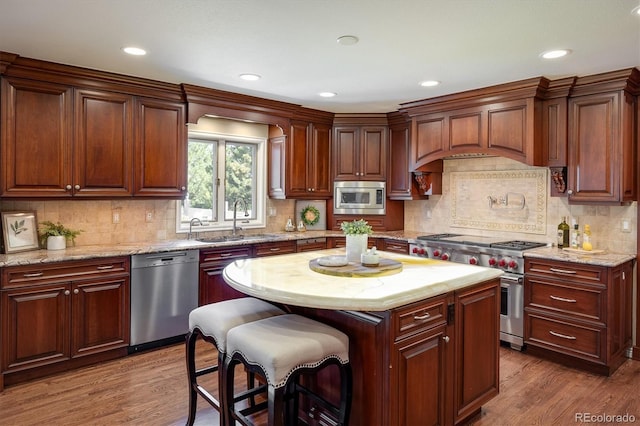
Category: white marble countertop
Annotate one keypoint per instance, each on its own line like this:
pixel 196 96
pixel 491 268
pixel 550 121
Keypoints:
pixel 288 279
pixel 608 259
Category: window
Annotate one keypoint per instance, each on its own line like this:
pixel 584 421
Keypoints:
pixel 224 172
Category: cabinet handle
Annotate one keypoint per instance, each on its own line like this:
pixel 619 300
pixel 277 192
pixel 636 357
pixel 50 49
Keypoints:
pixel 67 292
pixel 421 317
pixel 274 249
pixel 226 254
pixel 68 187
pixel 76 187
pixel 564 336
pixel 446 339
pixel 76 291
pixel 102 268
pixel 33 274
pixel 562 271
pixel 562 299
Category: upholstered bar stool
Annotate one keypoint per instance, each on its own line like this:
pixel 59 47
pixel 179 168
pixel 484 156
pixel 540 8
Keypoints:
pixel 281 349
pixel 212 322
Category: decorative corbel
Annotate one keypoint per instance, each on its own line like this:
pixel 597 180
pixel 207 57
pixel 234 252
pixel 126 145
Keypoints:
pixel 424 182
pixel 559 179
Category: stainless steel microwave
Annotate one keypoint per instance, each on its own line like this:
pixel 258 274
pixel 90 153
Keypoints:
pixel 359 197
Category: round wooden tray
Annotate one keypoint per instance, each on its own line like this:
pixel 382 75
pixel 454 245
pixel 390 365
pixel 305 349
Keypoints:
pixel 385 267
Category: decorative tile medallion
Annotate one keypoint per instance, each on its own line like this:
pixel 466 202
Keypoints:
pixel 505 200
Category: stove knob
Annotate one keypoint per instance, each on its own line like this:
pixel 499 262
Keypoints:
pixel 445 256
pixel 513 264
pixel 422 252
pixel 436 253
pixel 492 261
pixel 415 250
pixel 502 263
pixel 473 260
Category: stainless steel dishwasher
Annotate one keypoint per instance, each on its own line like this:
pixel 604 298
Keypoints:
pixel 164 289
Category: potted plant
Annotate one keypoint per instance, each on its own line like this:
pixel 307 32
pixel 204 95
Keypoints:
pixel 357 234
pixel 56 235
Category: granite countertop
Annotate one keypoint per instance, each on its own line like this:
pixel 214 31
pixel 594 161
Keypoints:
pixel 128 249
pixel 608 259
pixel 288 279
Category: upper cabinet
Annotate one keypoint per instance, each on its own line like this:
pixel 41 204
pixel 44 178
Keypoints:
pixel 71 132
pixel 299 164
pixel 503 120
pixel 602 152
pixel 360 147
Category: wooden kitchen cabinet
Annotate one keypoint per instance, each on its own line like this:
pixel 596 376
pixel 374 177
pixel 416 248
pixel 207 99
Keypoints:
pixel 311 244
pixel 429 362
pixel 212 286
pixel 63 315
pixel 360 150
pixel 299 164
pixel 274 248
pixel 578 314
pixel 160 149
pixel 602 147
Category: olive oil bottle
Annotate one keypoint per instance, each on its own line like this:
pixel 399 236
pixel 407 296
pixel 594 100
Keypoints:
pixel 563 233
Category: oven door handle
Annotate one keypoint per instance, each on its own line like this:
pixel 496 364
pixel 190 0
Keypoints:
pixel 514 278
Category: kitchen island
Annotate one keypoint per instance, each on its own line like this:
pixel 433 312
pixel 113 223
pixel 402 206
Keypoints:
pixel 424 338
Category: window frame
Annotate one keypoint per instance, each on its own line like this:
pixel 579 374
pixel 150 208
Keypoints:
pixel 260 192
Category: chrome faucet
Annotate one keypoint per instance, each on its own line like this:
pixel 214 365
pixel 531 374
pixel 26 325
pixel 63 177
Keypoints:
pixel 193 221
pixel 235 229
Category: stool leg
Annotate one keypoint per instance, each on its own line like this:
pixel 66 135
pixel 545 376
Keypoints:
pixel 227 406
pixel 191 373
pixel 346 384
pixel 276 405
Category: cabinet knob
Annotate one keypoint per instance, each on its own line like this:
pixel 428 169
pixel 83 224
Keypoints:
pixel 67 292
pixel 570 191
pixel 68 187
pixel 446 339
pixel 76 187
pixel 183 188
pixel 76 291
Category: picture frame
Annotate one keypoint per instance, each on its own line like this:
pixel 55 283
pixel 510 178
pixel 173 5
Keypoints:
pixel 19 231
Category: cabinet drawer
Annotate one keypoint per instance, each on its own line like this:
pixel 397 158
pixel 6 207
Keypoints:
pixel 396 246
pixel 18 276
pixel 418 317
pixel 275 248
pixel 224 254
pixel 584 302
pixel 567 271
pixel 570 338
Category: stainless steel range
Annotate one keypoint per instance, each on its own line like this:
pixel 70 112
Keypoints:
pixel 492 253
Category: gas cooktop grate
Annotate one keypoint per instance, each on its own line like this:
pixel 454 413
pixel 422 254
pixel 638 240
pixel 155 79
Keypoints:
pixel 436 237
pixel 517 245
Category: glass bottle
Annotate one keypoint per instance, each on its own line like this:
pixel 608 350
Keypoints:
pixel 563 233
pixel 575 237
pixel 586 238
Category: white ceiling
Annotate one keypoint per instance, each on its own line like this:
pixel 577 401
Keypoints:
pixel 465 44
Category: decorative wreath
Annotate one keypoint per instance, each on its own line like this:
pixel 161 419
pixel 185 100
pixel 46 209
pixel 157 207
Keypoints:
pixel 310 215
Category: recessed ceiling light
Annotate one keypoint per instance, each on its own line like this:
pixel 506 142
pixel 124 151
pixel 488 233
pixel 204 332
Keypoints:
pixel 327 94
pixel 347 40
pixel 636 11
pixel 250 77
pixel 555 54
pixel 429 83
pixel 136 51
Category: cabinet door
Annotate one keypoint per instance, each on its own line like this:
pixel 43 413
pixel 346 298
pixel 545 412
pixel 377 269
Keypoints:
pixel 319 161
pixel 160 149
pixel 345 152
pixel 213 287
pixel 399 186
pixel 373 153
pixel 467 130
pixel 277 167
pixel 600 150
pixel 429 139
pixel 35 326
pixel 103 144
pixel 100 315
pixel 510 128
pixel 297 182
pixel 418 379
pixel 36 139
pixel 477 334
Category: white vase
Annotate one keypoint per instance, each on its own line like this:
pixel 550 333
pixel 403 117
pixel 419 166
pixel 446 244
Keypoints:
pixel 57 242
pixel 356 245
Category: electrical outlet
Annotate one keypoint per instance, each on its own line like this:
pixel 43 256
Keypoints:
pixel 625 225
pixel 149 216
pixel 116 217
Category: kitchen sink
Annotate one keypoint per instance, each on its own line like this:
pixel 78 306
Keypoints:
pixel 224 238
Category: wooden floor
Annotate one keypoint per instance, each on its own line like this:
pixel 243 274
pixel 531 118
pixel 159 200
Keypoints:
pixel 150 388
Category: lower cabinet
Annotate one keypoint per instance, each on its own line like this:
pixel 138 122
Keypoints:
pixel 63 315
pixel 579 314
pixel 213 287
pixel 433 362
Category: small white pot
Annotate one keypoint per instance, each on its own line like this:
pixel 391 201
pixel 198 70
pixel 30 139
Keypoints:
pixel 57 242
pixel 356 245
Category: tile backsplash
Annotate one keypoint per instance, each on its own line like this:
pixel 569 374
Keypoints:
pixel 434 215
